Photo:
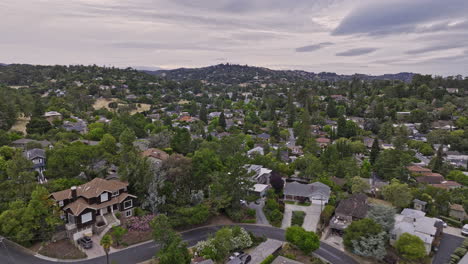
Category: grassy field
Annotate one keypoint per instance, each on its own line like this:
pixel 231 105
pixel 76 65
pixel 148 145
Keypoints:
pixel 20 124
pixel 104 103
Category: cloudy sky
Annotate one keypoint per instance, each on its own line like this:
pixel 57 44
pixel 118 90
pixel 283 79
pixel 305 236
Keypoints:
pixel 344 36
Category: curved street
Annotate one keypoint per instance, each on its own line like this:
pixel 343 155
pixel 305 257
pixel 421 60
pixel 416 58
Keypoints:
pixel 13 255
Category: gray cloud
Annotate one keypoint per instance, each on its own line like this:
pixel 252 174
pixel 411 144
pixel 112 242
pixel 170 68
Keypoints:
pixel 434 48
pixel 356 52
pixel 313 47
pixel 399 16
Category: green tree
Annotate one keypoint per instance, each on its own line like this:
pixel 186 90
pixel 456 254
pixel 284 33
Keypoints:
pixel 203 114
pixel 383 215
pixel 222 121
pixel 399 194
pixel 106 242
pixel 175 252
pixel 359 230
pixel 391 164
pixel 181 142
pixel 375 151
pixel 118 232
pixel 437 162
pixel 306 241
pixel 108 144
pixel 162 231
pixel 410 247
pixel 38 125
pixel 359 185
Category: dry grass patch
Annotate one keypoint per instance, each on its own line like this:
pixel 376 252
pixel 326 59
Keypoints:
pixel 62 249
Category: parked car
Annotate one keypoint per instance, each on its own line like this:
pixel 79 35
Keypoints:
pixel 464 230
pixel 85 242
pixel 441 221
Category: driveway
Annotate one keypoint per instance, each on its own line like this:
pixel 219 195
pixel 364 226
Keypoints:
pixel 311 219
pixel 11 254
pixel 453 231
pixel 447 245
pixel 260 215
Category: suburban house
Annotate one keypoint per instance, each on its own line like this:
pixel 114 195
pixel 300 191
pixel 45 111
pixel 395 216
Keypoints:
pixel 416 223
pixel 317 192
pixel 79 126
pixel 349 210
pixel 419 205
pixel 155 156
pixel 457 160
pixel 90 207
pixel 458 212
pixel 323 142
pixel 38 158
pixel 255 151
pixel 418 169
pixel 52 116
pixel 447 185
pixel 261 175
pixel 23 142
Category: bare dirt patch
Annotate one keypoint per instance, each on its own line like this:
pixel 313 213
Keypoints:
pixel 378 201
pixel 62 249
pixel 104 103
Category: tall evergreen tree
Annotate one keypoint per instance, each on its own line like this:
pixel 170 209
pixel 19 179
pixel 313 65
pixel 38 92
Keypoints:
pixel 438 161
pixel 375 151
pixel 203 114
pixel 275 132
pixel 222 121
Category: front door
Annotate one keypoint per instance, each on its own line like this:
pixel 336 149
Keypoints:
pixel 104 211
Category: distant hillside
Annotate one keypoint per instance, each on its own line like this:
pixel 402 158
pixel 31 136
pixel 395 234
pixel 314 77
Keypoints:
pixel 235 74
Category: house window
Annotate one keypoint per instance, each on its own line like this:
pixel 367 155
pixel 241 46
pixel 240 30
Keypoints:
pixel 86 217
pixel 71 219
pixel 128 204
pixel 60 203
pixel 104 197
pixel 114 194
pixel 128 213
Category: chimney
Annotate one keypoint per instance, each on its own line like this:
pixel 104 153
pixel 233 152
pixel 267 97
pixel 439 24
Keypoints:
pixel 73 193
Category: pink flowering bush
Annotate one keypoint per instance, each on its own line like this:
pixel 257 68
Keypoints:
pixel 140 223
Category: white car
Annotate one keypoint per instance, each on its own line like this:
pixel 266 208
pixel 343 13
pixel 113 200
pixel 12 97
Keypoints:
pixel 464 230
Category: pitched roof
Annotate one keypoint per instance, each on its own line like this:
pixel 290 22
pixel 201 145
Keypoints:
pixel 355 206
pixel 457 207
pixel 307 190
pixel 35 153
pixel 418 169
pixel 322 140
pixel 283 260
pixel 155 153
pixel 91 189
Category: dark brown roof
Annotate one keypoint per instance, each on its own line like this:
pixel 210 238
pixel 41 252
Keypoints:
pixel 355 206
pixel 430 179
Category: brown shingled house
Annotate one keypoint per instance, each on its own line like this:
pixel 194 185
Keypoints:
pixel 90 206
pixel 351 209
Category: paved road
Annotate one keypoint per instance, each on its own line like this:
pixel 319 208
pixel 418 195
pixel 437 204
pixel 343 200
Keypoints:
pixel 292 139
pixel 13 255
pixel 259 214
pixel 447 245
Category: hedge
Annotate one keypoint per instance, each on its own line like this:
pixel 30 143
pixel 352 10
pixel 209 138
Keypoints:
pixel 451 221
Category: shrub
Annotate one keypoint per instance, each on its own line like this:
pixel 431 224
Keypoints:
pixel 224 241
pixel 304 240
pixel 268 259
pixel 251 212
pixel 141 223
pixel 118 215
pixel 297 218
pixel 118 232
pixel 451 221
pixel 327 213
pixel 410 247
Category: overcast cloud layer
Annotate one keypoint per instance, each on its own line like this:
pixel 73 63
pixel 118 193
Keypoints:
pixel 344 36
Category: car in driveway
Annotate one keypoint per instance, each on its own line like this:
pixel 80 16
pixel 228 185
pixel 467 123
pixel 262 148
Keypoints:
pixel 444 224
pixel 464 230
pixel 85 242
